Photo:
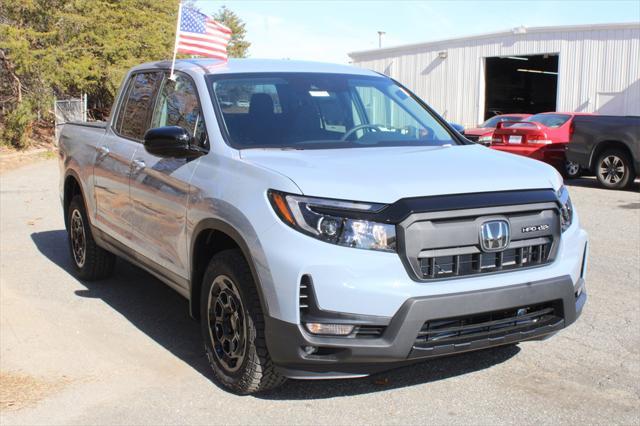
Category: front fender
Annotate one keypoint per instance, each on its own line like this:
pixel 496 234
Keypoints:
pixel 230 196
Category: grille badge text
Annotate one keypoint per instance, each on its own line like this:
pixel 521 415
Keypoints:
pixel 535 228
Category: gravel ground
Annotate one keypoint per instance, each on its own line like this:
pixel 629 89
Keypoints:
pixel 124 351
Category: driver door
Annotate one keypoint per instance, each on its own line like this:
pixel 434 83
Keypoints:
pixel 160 185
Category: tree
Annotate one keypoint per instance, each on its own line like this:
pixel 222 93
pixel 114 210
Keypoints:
pixel 65 48
pixel 238 47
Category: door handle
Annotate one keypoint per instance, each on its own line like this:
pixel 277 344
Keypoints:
pixel 137 166
pixel 103 151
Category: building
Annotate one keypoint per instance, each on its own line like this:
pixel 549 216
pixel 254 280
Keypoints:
pixel 587 68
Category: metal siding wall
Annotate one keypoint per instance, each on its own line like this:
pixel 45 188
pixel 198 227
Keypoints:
pixel 590 62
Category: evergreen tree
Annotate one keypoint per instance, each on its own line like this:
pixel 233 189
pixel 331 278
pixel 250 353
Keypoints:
pixel 65 48
pixel 238 47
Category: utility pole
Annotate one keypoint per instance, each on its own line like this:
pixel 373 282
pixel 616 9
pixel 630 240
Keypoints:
pixel 380 34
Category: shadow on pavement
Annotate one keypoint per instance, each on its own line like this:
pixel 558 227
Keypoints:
pixel 592 182
pixel 162 314
pixel 145 301
pixel 416 374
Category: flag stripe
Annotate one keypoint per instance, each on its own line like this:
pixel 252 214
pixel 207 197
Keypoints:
pixel 219 34
pixel 218 48
pixel 213 42
pixel 198 37
pixel 218 25
pixel 203 52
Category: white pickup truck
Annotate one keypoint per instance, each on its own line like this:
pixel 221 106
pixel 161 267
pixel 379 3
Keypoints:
pixel 322 221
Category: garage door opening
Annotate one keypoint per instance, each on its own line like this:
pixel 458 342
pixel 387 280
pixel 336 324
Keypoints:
pixel 520 84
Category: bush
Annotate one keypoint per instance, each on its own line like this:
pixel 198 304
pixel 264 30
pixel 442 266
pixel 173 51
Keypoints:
pixel 18 125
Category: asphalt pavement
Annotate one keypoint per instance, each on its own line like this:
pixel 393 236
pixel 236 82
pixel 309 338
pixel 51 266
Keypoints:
pixel 124 351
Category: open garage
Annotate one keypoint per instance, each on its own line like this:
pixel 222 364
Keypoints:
pixel 522 84
pixel 582 68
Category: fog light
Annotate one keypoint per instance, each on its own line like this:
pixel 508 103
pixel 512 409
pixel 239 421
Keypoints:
pixel 310 350
pixel 331 329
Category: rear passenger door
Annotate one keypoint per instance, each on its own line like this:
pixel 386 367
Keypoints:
pixel 160 185
pixel 112 167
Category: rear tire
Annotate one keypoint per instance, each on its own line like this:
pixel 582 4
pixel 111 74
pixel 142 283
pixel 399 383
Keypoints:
pixel 572 170
pixel 614 169
pixel 232 325
pixel 90 261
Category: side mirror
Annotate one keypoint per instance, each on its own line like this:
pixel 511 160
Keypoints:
pixel 171 141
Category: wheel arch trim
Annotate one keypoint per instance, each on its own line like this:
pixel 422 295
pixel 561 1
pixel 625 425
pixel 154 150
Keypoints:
pixel 71 174
pixel 602 146
pixel 218 225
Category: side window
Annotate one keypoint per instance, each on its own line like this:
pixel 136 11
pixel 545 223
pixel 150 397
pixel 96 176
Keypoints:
pixel 135 111
pixel 178 105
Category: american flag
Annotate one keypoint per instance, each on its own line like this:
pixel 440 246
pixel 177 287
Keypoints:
pixel 200 35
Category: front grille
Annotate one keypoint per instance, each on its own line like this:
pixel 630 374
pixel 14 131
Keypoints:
pixel 446 244
pixel 472 138
pixel 489 325
pixel 520 254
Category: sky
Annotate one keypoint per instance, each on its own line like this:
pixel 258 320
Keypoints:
pixel 328 30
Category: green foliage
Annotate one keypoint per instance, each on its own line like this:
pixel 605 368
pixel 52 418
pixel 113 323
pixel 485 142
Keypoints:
pixel 18 125
pixel 238 47
pixel 71 47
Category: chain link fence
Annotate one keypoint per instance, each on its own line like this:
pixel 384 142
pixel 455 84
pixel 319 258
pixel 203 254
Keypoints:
pixel 74 109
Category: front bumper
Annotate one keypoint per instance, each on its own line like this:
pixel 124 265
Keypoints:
pixel 397 346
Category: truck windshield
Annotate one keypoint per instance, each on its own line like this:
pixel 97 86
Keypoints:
pixel 321 111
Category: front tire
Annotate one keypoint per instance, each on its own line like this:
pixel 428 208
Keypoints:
pixel 90 261
pixel 232 325
pixel 614 169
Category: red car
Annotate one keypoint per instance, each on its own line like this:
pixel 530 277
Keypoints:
pixel 483 133
pixel 541 136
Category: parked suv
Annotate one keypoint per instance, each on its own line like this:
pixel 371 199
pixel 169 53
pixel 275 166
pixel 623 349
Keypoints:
pixel 331 226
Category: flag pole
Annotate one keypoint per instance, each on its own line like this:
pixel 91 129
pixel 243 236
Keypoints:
pixel 175 43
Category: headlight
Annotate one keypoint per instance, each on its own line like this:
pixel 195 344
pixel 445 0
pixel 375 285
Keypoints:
pixel 485 139
pixel 334 221
pixel 566 212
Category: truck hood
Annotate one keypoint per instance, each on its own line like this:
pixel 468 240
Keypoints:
pixel 385 175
